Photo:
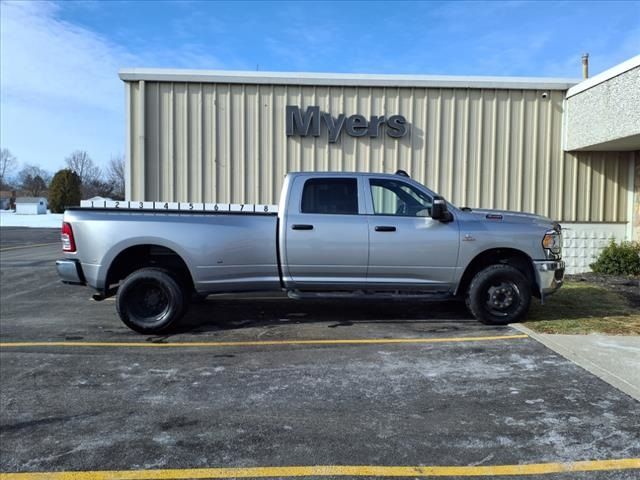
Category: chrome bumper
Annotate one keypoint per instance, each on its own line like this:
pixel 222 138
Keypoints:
pixel 70 271
pixel 550 276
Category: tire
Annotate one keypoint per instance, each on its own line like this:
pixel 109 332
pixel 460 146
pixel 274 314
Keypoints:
pixel 498 295
pixel 150 300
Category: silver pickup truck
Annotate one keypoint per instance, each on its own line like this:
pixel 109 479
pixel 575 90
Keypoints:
pixel 332 235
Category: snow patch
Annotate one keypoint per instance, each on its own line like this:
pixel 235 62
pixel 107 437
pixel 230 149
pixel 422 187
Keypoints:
pixel 9 218
pixel 164 439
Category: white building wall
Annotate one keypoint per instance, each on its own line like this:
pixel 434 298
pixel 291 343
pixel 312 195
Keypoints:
pixel 583 242
pixel 603 112
pixel 31 209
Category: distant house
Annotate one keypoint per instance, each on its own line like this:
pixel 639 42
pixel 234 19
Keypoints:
pixel 99 199
pixel 31 205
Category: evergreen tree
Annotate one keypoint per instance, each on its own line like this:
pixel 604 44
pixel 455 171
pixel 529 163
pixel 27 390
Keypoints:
pixel 64 191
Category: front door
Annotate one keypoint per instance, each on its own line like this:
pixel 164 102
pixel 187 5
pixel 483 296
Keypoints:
pixel 407 248
pixel 326 235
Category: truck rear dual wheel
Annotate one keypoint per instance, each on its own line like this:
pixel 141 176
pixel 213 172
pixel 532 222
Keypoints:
pixel 499 294
pixel 151 301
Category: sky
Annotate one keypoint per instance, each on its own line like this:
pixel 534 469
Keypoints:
pixel 59 61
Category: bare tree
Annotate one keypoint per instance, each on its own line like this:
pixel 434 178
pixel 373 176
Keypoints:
pixel 115 173
pixel 98 188
pixel 34 180
pixel 81 163
pixel 7 164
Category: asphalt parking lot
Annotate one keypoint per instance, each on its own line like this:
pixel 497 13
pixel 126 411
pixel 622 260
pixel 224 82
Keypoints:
pixel 383 388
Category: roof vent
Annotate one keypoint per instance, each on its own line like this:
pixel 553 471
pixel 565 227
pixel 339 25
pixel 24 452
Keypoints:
pixel 585 65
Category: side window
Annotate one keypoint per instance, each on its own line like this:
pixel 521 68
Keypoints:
pixel 338 196
pixel 391 197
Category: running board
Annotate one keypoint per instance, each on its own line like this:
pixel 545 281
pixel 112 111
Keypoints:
pixel 361 294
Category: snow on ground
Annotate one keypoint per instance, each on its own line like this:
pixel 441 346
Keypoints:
pixel 8 218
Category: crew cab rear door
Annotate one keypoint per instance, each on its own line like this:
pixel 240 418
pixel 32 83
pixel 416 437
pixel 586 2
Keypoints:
pixel 407 248
pixel 326 234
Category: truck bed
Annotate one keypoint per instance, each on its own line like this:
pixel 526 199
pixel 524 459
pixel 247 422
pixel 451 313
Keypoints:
pixel 226 247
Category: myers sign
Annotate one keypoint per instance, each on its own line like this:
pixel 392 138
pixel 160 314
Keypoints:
pixel 311 122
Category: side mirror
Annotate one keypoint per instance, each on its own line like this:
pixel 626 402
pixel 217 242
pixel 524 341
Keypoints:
pixel 439 210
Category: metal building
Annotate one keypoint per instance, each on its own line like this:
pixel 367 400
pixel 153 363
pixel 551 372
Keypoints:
pixel 217 136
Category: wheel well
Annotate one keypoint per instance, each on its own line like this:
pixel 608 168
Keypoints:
pixel 141 256
pixel 508 256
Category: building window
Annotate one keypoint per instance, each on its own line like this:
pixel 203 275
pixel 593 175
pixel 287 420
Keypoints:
pixel 391 197
pixel 337 196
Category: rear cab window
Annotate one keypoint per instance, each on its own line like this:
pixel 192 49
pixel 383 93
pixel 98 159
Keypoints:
pixel 330 196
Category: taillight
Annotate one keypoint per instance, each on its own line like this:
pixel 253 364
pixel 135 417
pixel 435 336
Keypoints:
pixel 68 243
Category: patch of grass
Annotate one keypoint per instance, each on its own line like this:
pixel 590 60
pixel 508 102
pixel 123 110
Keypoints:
pixel 580 308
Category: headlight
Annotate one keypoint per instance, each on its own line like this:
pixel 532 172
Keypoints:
pixel 552 241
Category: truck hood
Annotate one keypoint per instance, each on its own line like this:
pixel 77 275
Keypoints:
pixel 506 216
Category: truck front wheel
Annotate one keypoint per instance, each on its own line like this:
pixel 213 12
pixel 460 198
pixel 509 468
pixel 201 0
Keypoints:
pixel 499 294
pixel 150 300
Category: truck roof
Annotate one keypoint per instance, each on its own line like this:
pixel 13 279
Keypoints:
pixel 350 174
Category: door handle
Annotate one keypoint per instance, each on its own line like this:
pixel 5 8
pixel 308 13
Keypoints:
pixel 301 227
pixel 383 228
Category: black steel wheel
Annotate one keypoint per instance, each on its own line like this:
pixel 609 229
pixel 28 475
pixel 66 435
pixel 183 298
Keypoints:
pixel 499 294
pixel 150 300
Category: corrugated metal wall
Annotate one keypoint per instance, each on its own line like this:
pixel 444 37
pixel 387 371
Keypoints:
pixel 492 148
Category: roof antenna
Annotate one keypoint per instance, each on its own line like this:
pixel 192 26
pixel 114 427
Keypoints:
pixel 402 173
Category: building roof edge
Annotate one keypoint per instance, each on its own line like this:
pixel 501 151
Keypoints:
pixel 619 69
pixel 340 79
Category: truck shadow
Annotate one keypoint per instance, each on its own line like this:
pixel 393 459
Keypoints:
pixel 216 314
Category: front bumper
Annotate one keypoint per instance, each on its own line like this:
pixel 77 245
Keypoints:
pixel 70 271
pixel 550 276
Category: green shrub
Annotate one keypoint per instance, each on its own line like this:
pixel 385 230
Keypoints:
pixel 619 259
pixel 64 191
